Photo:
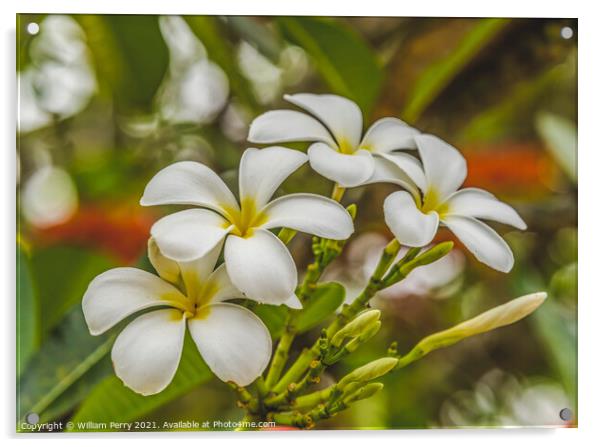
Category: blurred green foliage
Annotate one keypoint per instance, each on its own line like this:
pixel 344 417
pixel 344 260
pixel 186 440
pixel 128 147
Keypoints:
pixel 97 99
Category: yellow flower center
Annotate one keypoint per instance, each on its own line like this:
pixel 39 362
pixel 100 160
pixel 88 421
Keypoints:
pixel 245 219
pixel 194 305
pixel 432 202
pixel 345 147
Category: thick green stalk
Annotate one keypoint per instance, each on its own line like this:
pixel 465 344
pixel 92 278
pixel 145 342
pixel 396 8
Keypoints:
pixel 281 354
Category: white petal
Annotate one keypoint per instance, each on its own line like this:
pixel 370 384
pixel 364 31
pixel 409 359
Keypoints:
pixel 481 204
pixel 309 213
pixel 410 226
pixel 388 172
pixel 221 286
pixel 233 341
pixel 487 246
pixel 188 235
pixel 293 302
pixel 347 170
pixel 388 134
pixel 168 269
pixel 444 166
pixel 261 267
pixel 342 116
pixel 196 273
pixel 117 293
pixel 188 183
pixel 147 352
pixel 262 171
pixel 409 165
pixel 282 126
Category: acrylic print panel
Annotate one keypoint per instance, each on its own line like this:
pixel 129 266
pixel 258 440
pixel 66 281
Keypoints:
pixel 282 223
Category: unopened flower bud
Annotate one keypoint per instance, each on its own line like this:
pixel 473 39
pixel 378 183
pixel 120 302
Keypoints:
pixel 370 371
pixel 355 326
pixel 364 336
pixel 487 321
pixel 429 256
pixel 364 392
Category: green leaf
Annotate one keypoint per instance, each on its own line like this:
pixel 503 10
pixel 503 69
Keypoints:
pixel 343 59
pixel 326 299
pixel 494 122
pixel 28 315
pixel 62 275
pixel 130 53
pixel 111 401
pixel 441 72
pixel 560 136
pixel 64 360
pixel 274 317
pixel 209 31
pixel 557 329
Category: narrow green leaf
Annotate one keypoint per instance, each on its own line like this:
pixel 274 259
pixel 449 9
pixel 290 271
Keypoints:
pixel 440 73
pixel 62 361
pixel 343 59
pixel 326 299
pixel 560 136
pixel 62 274
pixel 111 401
pixel 221 51
pixel 130 53
pixel 28 314
pixel 494 122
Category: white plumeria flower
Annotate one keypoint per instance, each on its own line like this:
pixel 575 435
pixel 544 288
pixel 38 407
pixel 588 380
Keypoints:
pixel 232 340
pixel 257 261
pixel 339 152
pixel 414 219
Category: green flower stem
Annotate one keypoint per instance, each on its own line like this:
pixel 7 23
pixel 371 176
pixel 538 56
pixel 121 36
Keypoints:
pixel 289 395
pixel 298 368
pixel 375 284
pixel 325 251
pixel 337 192
pixel 281 354
pixel 315 398
pixel 387 258
pixel 290 418
pixel 262 389
pixel 286 235
pixel 245 398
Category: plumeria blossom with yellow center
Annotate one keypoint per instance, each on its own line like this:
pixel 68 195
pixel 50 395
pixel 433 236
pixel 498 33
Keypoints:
pixel 414 219
pixel 339 152
pixel 232 340
pixel 257 261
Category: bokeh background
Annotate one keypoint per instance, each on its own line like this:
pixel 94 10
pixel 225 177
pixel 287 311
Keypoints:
pixel 107 101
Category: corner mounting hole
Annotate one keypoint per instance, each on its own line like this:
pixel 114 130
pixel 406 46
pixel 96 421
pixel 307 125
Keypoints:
pixel 33 28
pixel 566 414
pixel 566 32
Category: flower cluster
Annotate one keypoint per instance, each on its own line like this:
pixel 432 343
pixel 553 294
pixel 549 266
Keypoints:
pixel 190 292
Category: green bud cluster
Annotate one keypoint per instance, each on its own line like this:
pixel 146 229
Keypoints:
pixel 413 260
